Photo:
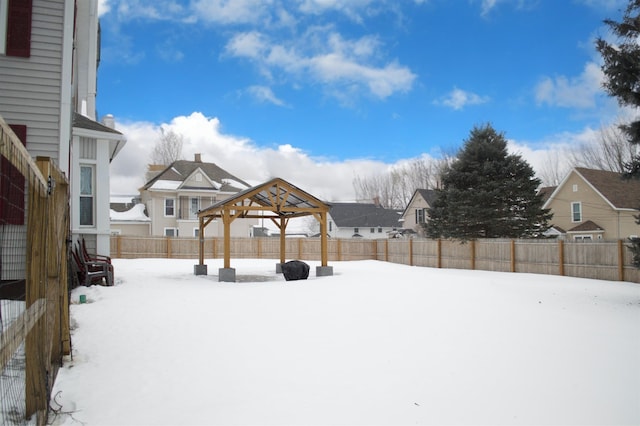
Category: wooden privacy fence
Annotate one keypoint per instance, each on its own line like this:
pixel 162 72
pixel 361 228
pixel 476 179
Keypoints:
pixel 34 304
pixel 599 260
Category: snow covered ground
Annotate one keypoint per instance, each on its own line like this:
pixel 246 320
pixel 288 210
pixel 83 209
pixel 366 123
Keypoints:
pixel 376 343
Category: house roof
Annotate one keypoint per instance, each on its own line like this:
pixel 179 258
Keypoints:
pixel 545 192
pixel 178 171
pixel 587 226
pixel 429 195
pixel 621 193
pixel 82 122
pixel 356 215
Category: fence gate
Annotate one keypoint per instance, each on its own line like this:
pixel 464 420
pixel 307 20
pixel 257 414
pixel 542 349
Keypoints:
pixel 34 302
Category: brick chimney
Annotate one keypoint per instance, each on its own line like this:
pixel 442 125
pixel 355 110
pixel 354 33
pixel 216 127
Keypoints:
pixel 198 158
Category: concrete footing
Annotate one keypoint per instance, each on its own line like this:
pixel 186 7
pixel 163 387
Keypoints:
pixel 200 269
pixel 324 271
pixel 227 275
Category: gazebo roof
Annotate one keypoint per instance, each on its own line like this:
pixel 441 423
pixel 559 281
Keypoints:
pixel 281 198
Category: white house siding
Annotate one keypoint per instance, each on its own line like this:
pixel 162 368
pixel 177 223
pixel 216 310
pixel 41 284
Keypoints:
pixel 30 87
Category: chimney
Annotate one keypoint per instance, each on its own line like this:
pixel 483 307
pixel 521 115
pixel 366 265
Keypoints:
pixel 376 201
pixel 109 121
pixel 198 158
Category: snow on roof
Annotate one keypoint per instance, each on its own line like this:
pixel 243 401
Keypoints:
pixel 166 184
pixel 121 199
pixel 236 184
pixel 136 213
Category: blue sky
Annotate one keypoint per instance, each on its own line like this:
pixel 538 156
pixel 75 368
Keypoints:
pixel 313 89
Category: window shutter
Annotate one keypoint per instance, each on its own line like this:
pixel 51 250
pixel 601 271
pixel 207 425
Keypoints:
pixel 12 185
pixel 19 28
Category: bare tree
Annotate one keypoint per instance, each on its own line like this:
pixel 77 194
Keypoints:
pixel 394 188
pixel 610 151
pixel 554 169
pixel 168 148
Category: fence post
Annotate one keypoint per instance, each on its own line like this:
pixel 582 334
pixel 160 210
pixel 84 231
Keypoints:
pixel 339 249
pixel 472 248
pixel 386 250
pixel 439 254
pixel 299 248
pixel 561 257
pixel 375 249
pixel 168 248
pixel 410 251
pixel 513 255
pixel 119 246
pixel 620 261
pixel 259 241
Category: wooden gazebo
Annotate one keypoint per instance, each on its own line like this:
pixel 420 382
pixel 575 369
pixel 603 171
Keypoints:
pixel 277 200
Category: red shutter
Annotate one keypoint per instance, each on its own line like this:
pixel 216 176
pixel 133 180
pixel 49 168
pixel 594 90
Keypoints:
pixel 12 185
pixel 19 28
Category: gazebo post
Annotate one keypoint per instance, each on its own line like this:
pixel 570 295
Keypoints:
pixel 283 244
pixel 227 274
pixel 324 269
pixel 200 268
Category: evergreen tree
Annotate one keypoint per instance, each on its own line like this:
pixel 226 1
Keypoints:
pixel 622 70
pixel 487 193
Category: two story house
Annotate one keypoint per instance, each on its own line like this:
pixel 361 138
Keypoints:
pixel 361 220
pixel 174 196
pixel 592 205
pixel 415 215
pixel 49 55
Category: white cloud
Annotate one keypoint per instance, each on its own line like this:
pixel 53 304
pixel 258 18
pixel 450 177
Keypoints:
pixel 265 94
pixel 326 57
pixel 329 180
pixel 232 11
pixel 457 99
pixel 577 92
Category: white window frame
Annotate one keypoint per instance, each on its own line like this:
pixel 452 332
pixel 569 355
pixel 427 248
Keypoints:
pixel 194 214
pixel 583 238
pixel 4 4
pixel 174 231
pixel 573 218
pixel 196 232
pixel 91 195
pixel 173 200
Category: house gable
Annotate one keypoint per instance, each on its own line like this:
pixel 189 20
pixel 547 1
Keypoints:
pixel 595 202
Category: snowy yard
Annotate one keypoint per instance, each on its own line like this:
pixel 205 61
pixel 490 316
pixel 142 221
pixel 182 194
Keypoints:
pixel 376 343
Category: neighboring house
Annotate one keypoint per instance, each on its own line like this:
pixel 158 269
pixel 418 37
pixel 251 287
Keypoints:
pixel 129 217
pixel 415 215
pixel 361 220
pixel 175 194
pixel 595 205
pixel 49 54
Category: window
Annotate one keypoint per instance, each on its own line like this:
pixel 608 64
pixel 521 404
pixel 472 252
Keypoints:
pixel 421 215
pixel 17 32
pixel 169 207
pixel 575 187
pixel 583 238
pixel 380 230
pixel 196 232
pixel 194 206
pixel 86 196
pixel 170 232
pixel 372 230
pixel 3 26
pixel 330 226
pixel 576 212
pixel 356 230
